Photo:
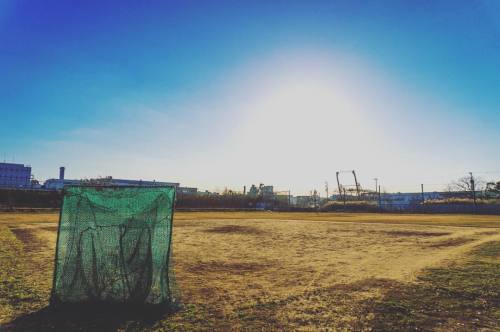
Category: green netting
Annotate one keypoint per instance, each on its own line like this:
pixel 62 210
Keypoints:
pixel 114 245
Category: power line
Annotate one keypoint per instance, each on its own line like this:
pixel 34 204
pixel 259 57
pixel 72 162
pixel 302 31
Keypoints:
pixel 488 172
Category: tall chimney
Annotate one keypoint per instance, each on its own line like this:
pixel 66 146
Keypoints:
pixel 61 173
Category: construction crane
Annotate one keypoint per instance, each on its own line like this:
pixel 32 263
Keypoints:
pixel 356 183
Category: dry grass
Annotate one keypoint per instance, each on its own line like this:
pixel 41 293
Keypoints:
pixel 234 229
pixel 452 242
pixel 385 218
pixel 263 270
pixel 416 233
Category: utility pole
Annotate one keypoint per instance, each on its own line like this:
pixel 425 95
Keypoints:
pixel 423 197
pixel 315 198
pixel 473 188
pixel 326 189
pixel 379 199
pixel 376 184
pixel 338 184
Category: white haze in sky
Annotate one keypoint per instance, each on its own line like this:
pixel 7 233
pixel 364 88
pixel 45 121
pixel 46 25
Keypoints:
pixel 291 119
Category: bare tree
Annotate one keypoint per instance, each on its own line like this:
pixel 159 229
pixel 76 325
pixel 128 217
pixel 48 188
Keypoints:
pixel 493 187
pixel 465 184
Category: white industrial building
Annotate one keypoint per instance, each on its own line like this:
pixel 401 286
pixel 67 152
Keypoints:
pixel 61 182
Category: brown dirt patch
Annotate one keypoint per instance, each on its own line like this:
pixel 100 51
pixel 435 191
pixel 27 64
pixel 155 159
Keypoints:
pixel 236 229
pixel 488 233
pixel 341 230
pixel 49 228
pixel 188 224
pixel 28 238
pixel 451 242
pixel 415 233
pixel 227 267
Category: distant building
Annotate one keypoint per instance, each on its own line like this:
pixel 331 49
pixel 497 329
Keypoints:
pixel 403 200
pixel 124 182
pixel 302 201
pixel 35 184
pixel 15 175
pixel 267 191
pixel 187 190
pixel 254 191
pixel 207 193
pixel 59 184
pixel 283 197
pixel 262 191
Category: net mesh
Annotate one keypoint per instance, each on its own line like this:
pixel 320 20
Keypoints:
pixel 114 245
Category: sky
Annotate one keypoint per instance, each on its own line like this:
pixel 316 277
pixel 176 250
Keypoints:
pixel 216 94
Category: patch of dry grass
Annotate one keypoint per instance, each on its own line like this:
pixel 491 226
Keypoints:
pixel 260 270
pixel 458 297
pixel 234 229
pixel 416 233
pixel 416 219
pixel 452 242
pixel 384 218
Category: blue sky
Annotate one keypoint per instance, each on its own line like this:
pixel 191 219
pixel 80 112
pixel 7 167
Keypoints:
pixel 226 93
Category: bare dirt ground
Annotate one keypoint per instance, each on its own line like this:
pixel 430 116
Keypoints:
pixel 270 271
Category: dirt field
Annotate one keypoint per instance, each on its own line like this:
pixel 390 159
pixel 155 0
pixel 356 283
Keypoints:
pixel 273 271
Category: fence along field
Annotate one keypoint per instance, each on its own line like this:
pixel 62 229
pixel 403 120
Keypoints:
pixel 272 271
pixel 18 200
